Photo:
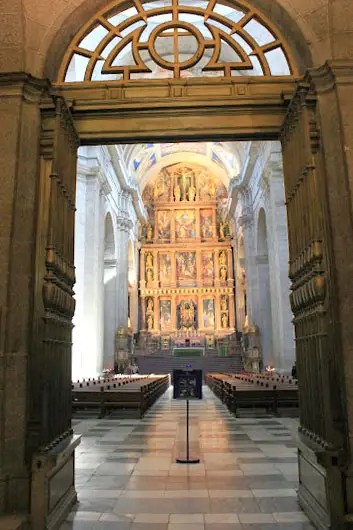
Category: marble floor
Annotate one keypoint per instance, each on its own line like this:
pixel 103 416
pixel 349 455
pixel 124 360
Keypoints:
pixel 127 477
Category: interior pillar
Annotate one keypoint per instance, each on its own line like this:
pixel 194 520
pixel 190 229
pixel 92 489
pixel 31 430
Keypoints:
pixel 123 269
pixel 247 223
pixel 19 153
pixel 87 350
pixel 110 302
pixel 277 235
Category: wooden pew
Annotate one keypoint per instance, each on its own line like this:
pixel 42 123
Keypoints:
pixel 135 393
pixel 254 390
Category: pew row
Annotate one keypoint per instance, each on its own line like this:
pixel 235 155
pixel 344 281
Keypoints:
pixel 254 391
pixel 134 394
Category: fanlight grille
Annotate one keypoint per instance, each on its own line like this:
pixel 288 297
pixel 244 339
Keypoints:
pixel 176 39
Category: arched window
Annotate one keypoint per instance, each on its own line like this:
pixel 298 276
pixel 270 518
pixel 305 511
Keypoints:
pixel 138 39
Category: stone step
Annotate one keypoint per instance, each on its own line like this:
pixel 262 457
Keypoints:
pixel 159 364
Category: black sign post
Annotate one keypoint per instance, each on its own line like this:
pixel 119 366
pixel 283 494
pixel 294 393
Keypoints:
pixel 187 385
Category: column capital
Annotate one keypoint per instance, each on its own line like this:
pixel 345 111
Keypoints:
pixel 331 74
pixel 110 263
pixel 247 219
pixel 20 84
pixel 123 223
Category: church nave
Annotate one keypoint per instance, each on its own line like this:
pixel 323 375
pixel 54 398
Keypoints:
pixel 127 478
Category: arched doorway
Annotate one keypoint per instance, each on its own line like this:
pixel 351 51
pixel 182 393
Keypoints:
pixel 182 109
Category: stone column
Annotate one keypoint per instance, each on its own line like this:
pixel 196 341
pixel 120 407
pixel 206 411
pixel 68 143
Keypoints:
pixel 264 318
pixel 143 313
pixel 247 222
pixel 198 229
pixel 21 405
pixel 174 278
pixel 155 269
pixel 172 226
pixel 142 269
pixel 87 350
pixel 198 267
pixel 231 311
pixel 277 237
pixel 134 293
pixel 334 86
pixel 200 312
pixel 218 325
pixel 123 227
pixel 239 291
pixel 156 323
pixel 174 313
pixel 214 224
pixel 230 277
pixel 216 267
pixel 110 316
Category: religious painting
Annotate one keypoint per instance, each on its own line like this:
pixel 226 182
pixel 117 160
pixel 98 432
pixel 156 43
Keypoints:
pixel 207 266
pixel 185 224
pixel 165 308
pixel 208 313
pixel 187 315
pixel 207 185
pixel 186 265
pixel 206 223
pixel 161 188
pixel 210 189
pixel 165 268
pixel 163 224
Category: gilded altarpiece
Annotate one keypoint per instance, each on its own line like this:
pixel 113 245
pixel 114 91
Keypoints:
pixel 186 270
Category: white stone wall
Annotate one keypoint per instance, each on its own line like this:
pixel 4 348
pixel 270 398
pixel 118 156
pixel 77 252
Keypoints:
pixel 260 188
pixel 104 188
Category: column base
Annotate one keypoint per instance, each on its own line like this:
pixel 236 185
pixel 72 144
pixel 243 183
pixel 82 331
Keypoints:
pixel 320 485
pixel 14 522
pixel 53 484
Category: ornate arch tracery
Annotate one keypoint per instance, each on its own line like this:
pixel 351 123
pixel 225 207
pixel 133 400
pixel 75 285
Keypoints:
pixel 176 39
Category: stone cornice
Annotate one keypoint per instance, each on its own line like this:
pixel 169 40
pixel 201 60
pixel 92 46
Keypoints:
pixel 331 74
pixel 110 263
pixel 20 84
pixel 188 290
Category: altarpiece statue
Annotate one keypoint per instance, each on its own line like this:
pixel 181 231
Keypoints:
pixel 187 258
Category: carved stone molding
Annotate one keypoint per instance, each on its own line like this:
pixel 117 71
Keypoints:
pixel 20 84
pixel 124 223
pixel 247 219
pixel 105 185
pixel 331 74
